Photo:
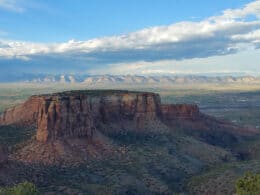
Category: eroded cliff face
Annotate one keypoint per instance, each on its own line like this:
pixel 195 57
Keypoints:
pixel 63 117
pixel 23 114
pixel 70 115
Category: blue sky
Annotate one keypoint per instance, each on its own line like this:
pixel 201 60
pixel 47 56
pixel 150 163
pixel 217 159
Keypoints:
pixel 129 37
pixel 53 21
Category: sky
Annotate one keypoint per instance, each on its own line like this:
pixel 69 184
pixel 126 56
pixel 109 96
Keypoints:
pixel 130 37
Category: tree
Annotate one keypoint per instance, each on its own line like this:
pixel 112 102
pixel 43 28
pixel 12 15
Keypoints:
pixel 249 184
pixel 25 188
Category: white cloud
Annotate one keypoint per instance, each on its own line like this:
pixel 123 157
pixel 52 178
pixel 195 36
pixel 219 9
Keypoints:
pixel 251 37
pixel 252 8
pixel 228 33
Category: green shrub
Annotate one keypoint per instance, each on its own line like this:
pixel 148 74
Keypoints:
pixel 25 188
pixel 248 184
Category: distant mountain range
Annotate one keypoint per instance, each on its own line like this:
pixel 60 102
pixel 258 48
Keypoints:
pixel 128 79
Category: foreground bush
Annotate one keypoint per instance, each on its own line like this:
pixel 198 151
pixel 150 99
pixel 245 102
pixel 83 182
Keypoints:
pixel 248 185
pixel 25 188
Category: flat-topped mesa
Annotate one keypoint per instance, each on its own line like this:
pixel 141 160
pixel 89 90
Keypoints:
pixel 78 113
pixel 180 112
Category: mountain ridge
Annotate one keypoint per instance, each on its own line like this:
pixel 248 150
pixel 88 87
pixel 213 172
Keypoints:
pixel 127 79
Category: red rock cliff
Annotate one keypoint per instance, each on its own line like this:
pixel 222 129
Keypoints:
pixel 79 113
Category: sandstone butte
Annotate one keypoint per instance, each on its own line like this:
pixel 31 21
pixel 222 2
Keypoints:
pixel 71 126
pixel 79 113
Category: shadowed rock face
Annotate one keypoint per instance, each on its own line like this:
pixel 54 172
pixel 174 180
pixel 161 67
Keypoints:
pixel 3 155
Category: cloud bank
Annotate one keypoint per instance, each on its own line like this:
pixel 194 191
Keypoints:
pixel 233 31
